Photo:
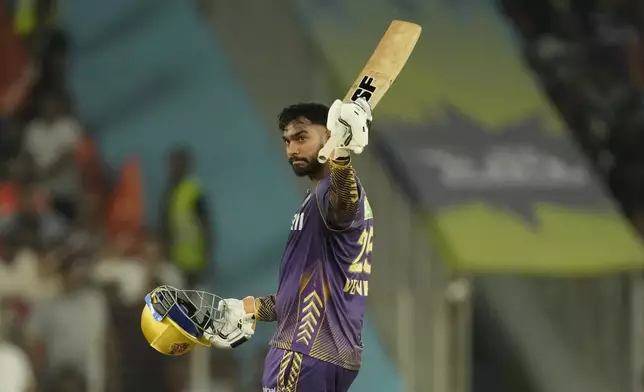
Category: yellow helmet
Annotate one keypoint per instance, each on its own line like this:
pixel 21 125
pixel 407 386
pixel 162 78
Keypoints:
pixel 173 324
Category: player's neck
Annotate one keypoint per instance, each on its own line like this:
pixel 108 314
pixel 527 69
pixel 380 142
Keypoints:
pixel 323 172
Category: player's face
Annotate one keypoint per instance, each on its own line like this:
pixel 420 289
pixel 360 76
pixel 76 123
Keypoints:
pixel 303 141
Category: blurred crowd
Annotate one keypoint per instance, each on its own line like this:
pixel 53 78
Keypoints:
pixel 75 257
pixel 589 58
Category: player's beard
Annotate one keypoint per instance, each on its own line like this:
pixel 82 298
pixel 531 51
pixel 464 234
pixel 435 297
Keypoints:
pixel 312 167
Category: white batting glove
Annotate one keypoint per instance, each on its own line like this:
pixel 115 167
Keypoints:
pixel 349 125
pixel 237 328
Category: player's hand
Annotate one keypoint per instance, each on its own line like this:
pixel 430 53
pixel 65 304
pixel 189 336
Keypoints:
pixel 349 125
pixel 250 309
pixel 237 327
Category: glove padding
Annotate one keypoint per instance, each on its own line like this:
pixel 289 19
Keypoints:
pixel 237 327
pixel 349 125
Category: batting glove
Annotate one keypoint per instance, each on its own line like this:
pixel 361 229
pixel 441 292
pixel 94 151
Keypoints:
pixel 237 327
pixel 349 125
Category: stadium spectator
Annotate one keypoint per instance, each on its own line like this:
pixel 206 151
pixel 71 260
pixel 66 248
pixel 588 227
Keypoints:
pixel 22 199
pixel 69 380
pixel 72 328
pixel 21 278
pixel 51 139
pixel 14 75
pixel 20 193
pixel 159 270
pixel 128 277
pixel 16 373
pixel 54 62
pixel 34 21
pixel 186 225
pixel 10 143
pixel 588 57
pixel 89 232
pixel 134 275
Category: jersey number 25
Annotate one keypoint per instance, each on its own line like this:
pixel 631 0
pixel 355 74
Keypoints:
pixel 361 262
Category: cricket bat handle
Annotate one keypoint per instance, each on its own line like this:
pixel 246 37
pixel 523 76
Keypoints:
pixel 327 150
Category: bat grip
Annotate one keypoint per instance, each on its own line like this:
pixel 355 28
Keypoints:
pixel 334 141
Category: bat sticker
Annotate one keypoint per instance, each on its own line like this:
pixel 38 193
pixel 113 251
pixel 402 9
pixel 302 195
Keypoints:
pixel 365 89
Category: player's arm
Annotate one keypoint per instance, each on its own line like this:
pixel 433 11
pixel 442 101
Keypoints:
pixel 344 197
pixel 263 308
pixel 348 123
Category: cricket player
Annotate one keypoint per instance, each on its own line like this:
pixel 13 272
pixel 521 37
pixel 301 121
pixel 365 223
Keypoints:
pixel 324 274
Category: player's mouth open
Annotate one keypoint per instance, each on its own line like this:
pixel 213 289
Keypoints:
pixel 299 163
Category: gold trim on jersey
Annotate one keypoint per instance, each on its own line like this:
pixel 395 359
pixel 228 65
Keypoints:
pixel 304 280
pixel 346 360
pixel 294 374
pixel 346 357
pixel 281 376
pixel 311 310
pixel 291 363
pixel 311 313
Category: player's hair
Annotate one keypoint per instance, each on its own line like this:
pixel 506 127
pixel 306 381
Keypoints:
pixel 316 113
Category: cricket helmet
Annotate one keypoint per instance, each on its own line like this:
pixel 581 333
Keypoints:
pixel 173 321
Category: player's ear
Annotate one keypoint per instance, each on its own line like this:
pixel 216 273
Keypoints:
pixel 327 133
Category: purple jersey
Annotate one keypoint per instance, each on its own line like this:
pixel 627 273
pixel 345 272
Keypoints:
pixel 295 372
pixel 324 280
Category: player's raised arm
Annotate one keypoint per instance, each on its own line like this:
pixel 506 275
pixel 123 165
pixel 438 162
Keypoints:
pixel 349 126
pixel 343 193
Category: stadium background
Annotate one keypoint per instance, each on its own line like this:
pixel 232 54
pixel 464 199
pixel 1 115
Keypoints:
pixel 555 305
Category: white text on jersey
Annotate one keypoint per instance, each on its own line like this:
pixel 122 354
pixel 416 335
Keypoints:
pixel 298 221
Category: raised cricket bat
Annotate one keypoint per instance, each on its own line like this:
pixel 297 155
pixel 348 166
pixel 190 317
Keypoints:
pixel 379 73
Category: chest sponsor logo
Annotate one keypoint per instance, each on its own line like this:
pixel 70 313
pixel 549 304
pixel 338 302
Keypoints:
pixel 306 200
pixel 368 212
pixel 297 224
